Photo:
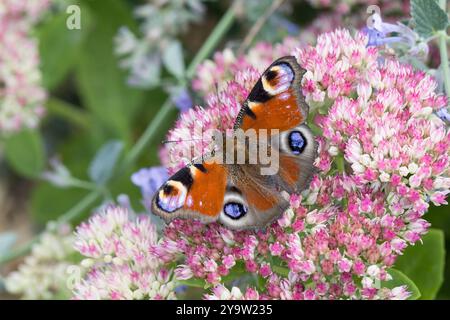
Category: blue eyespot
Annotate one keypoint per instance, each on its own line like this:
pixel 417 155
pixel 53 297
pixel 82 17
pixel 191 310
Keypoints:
pixel 235 210
pixel 297 142
pixel 171 197
pixel 167 205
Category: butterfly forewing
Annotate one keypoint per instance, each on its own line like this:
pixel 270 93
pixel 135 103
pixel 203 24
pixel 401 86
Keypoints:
pixel 276 100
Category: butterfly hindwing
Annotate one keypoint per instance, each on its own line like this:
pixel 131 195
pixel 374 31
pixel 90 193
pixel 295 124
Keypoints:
pixel 298 150
pixel 262 198
pixel 250 204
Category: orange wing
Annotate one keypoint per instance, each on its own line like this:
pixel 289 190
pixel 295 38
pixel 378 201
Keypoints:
pixel 196 191
pixel 276 101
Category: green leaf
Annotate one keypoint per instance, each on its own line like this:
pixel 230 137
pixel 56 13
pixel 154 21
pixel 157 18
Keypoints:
pixel 428 17
pixel 49 202
pixel 424 263
pixel 235 272
pixel 104 162
pixel 101 82
pixel 439 218
pixel 281 270
pixel 173 59
pixel 400 279
pixel 69 112
pixel 194 282
pixel 59 48
pixel 25 153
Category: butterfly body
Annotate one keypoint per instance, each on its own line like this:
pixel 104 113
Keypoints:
pixel 238 184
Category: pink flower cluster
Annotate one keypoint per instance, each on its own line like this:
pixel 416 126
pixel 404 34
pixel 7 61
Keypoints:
pixel 318 249
pixel 213 75
pixel 380 118
pixel 383 155
pixel 21 94
pixel 118 263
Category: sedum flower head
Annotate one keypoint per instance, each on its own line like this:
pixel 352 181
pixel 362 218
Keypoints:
pixel 118 262
pixel 43 275
pixel 21 94
pixel 383 155
pixel 213 75
pixel 380 118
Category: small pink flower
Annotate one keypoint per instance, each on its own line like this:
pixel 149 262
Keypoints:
pixel 276 249
pixel 265 270
pixel 183 272
pixel 344 265
pixel 229 261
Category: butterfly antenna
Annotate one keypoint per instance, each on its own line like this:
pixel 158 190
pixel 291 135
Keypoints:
pixel 184 140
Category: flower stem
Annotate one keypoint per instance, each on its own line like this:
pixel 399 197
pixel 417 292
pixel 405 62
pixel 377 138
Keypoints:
pixel 8 256
pixel 69 112
pixel 444 54
pixel 205 51
pixel 444 62
pixel 80 207
pixel 74 212
pixel 340 163
pixel 81 184
pixel 258 25
pixel 213 40
pixel 147 136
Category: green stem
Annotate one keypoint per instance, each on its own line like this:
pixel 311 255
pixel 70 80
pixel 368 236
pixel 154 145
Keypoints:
pixel 74 212
pixel 205 51
pixel 340 163
pixel 148 134
pixel 80 207
pixel 259 25
pixel 19 251
pixel 213 40
pixel 67 111
pixel 444 61
pixel 81 184
pixel 444 54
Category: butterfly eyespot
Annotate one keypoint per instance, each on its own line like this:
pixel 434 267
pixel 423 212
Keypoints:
pixel 167 189
pixel 235 210
pixel 297 142
pixel 271 74
pixel 171 197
